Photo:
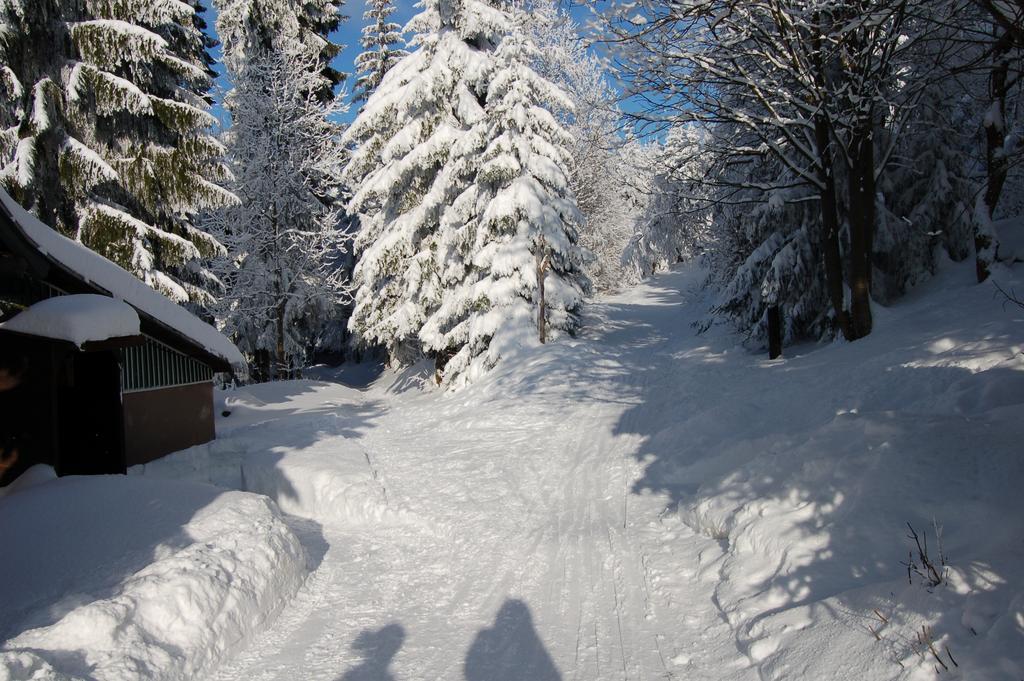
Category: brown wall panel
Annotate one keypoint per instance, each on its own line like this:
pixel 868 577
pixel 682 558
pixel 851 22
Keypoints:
pixel 161 421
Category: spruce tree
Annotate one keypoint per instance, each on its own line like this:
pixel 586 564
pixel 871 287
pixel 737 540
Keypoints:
pixel 249 27
pixel 105 135
pixel 460 180
pixel 379 41
pixel 518 211
pixel 416 142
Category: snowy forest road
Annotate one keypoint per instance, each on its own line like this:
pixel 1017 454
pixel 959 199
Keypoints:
pixel 522 550
pixel 640 502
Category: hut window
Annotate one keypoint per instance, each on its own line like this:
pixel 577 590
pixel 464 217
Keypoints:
pixel 154 365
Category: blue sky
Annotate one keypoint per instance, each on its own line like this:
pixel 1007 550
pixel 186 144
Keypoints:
pixel 348 35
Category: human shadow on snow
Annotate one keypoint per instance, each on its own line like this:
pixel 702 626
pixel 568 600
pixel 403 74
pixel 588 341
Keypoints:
pixel 378 648
pixel 510 650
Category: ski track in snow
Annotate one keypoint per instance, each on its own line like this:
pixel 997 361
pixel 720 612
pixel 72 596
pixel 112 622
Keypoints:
pixel 645 503
pixel 637 503
pixel 519 506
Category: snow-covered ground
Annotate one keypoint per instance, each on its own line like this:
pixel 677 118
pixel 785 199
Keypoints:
pixel 126 578
pixel 638 503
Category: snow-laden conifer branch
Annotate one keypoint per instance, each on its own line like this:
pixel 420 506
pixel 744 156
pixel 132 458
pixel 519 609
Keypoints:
pixel 108 100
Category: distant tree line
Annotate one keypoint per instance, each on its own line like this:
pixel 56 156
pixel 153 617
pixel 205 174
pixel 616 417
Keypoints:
pixel 819 156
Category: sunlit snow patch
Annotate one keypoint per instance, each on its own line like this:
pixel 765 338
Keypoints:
pixel 111 577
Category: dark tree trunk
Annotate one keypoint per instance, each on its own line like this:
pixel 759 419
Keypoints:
pixel 282 364
pixel 862 226
pixel 774 332
pixel 830 227
pixel 543 261
pixel 997 164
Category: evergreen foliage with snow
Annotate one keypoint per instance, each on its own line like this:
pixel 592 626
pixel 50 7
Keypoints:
pixel 766 251
pixel 380 40
pixel 458 174
pixel 518 209
pixel 413 144
pixel 105 135
pixel 251 27
pixel 925 196
pixel 602 179
pixel 285 277
pixel 283 283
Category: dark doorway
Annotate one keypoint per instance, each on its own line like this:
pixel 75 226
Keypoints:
pixel 26 404
pixel 91 428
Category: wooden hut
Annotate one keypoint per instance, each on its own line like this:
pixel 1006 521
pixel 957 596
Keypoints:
pixel 111 375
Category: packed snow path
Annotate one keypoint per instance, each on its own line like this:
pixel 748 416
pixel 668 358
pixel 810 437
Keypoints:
pixel 645 503
pixel 520 551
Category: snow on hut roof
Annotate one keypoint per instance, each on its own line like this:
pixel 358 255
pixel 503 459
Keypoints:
pixel 103 274
pixel 80 319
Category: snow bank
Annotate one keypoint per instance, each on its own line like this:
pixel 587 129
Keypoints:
pixel 1010 233
pixel 125 578
pixel 78 319
pixel 807 470
pixel 34 475
pixel 289 441
pixel 330 483
pixel 120 284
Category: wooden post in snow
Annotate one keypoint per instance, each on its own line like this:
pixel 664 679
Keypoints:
pixel 543 265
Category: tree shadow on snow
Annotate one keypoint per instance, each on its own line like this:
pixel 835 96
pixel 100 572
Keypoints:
pixel 357 375
pixel 817 462
pixel 250 457
pixel 510 650
pixel 249 410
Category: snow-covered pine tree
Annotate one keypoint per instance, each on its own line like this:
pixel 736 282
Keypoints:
pixel 248 27
pixel 766 251
pixel 283 284
pixel 381 39
pixel 926 194
pixel 416 144
pixel 518 211
pixel 105 130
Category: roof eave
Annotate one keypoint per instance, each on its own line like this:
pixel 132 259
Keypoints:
pixel 44 266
